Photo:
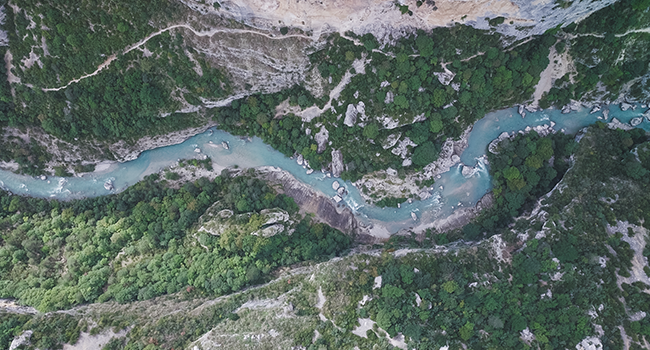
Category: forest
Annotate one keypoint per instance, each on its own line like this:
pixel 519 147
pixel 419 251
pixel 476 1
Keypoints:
pixel 143 243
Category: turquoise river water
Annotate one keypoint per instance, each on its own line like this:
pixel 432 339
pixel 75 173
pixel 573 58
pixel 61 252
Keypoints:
pixel 457 190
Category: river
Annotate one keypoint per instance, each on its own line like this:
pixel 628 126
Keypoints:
pixel 450 192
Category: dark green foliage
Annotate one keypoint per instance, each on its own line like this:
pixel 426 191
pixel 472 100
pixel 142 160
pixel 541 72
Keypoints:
pixel 496 78
pixel 126 100
pixel 53 330
pixel 496 21
pixel 390 202
pixel 149 223
pixel 425 154
pixel 255 116
pixel 521 173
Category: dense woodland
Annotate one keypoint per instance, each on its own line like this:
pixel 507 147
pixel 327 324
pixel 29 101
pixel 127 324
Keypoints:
pixel 58 254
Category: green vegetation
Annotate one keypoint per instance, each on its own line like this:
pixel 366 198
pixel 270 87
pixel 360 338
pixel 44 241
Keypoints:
pixel 602 56
pixel 128 98
pixel 390 202
pixel 521 173
pixel 142 243
pixel 547 280
pixel 256 116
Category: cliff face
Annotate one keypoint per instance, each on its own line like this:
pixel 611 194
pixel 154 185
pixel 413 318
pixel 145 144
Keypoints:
pixel 522 18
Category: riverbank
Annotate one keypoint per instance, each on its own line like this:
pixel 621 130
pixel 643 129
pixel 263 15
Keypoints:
pixel 387 183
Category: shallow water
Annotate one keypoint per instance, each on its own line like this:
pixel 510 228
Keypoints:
pixel 451 191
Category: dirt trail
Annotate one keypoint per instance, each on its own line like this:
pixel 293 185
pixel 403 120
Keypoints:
pixel 197 33
pixel 595 35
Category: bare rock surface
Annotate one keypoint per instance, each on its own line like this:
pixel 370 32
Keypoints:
pixel 310 200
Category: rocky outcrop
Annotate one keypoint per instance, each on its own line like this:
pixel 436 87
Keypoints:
pixel 571 106
pixel 321 138
pixel 350 115
pixel 312 201
pixel 616 124
pixel 337 163
pixel 636 121
pixel 625 106
pixel 449 155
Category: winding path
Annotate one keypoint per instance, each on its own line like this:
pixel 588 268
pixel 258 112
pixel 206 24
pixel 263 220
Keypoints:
pixel 197 33
pixel 642 30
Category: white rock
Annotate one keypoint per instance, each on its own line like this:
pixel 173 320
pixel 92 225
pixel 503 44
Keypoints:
pixel 225 145
pixel 300 159
pixel 197 150
pixel 22 339
pixel 310 171
pixel 625 106
pixel 391 172
pixel 467 171
pixel 647 115
pixel 108 185
pixel 337 198
pixel 616 124
pixel 636 121
pixel 407 162
pixel 391 140
pixel 606 114
pixel 595 109
pixel 337 163
pixel 521 111
pixel 531 109
pixel 342 191
pixel 445 77
pixel 351 115
pixel 389 97
pixel 321 139
pixel 413 216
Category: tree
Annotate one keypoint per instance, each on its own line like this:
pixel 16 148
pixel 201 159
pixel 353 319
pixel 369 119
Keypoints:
pixel 439 98
pixel 436 123
pixel 425 45
pixel 466 331
pixel 371 131
pixel 425 154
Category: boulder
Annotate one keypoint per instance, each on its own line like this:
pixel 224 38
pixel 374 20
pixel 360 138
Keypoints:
pixel 636 121
pixel 646 115
pixel 337 163
pixel 595 109
pixel 321 139
pixel 351 115
pixel 335 185
pixel 467 171
pixel 625 106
